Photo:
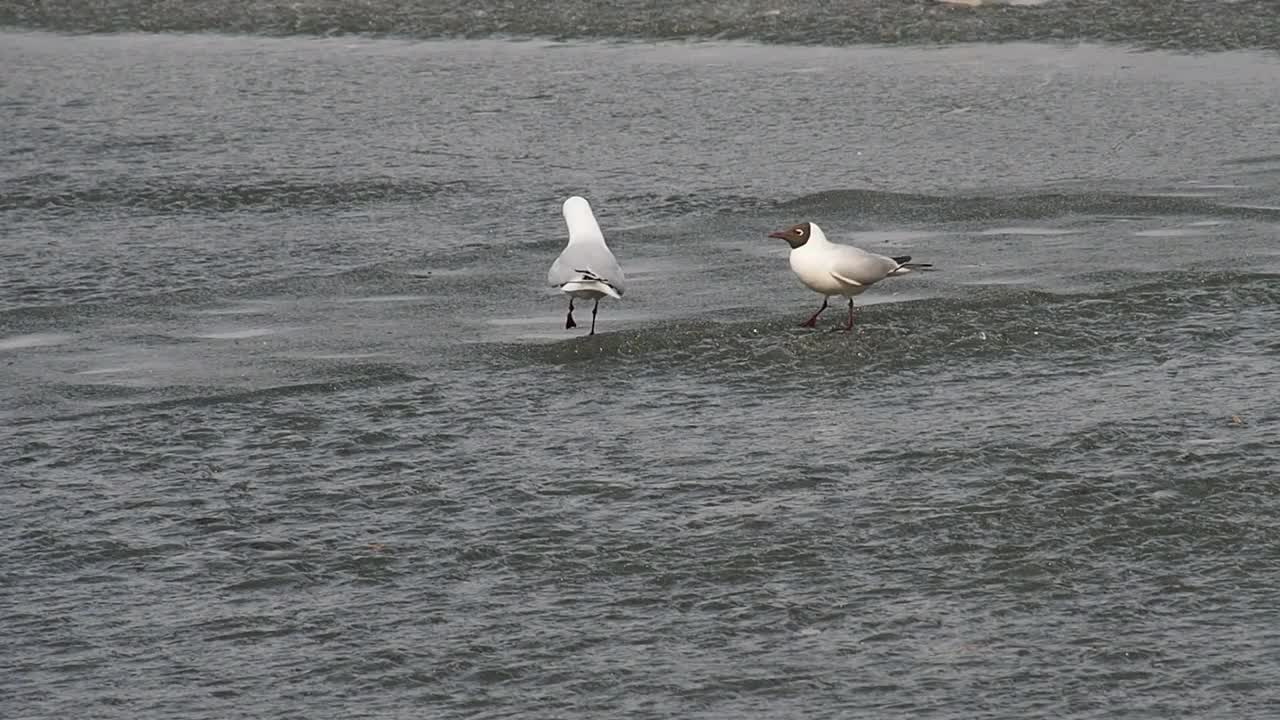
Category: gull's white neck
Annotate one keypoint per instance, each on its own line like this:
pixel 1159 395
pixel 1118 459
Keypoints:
pixel 581 222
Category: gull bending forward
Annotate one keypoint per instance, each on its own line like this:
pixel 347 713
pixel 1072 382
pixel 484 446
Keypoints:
pixel 585 269
pixel 830 269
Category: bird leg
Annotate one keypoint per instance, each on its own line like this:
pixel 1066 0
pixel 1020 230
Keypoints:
pixel 595 308
pixel 569 323
pixel 813 321
pixel 848 326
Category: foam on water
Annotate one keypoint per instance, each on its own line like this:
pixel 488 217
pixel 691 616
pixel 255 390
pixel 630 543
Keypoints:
pixel 239 333
pixel 33 340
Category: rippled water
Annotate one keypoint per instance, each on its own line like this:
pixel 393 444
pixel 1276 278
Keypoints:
pixel 292 427
pixel 1174 25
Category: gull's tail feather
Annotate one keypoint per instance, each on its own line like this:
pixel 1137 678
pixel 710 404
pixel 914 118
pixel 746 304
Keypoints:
pixel 588 280
pixel 905 265
pixel 592 285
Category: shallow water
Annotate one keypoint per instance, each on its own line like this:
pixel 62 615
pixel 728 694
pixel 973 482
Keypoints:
pixel 292 426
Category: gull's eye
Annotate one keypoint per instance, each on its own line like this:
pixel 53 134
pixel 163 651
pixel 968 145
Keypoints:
pixel 798 231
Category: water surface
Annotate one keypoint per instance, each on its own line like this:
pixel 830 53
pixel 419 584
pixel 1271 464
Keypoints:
pixel 292 427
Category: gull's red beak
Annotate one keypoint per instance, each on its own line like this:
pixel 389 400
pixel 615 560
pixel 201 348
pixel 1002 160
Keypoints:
pixel 780 234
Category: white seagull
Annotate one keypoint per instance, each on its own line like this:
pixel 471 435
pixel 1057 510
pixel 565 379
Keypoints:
pixel 830 269
pixel 585 269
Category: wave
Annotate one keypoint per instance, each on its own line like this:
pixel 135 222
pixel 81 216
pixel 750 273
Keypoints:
pixel 41 192
pixel 988 322
pixel 1160 24
pixel 1182 308
pixel 113 399
pixel 937 208
pixel 61 309
pixel 48 192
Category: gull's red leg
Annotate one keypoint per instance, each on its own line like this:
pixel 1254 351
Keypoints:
pixel 813 321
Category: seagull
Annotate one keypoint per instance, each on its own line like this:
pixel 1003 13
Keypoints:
pixel 830 269
pixel 585 270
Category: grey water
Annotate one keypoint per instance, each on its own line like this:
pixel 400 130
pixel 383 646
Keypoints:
pixel 290 425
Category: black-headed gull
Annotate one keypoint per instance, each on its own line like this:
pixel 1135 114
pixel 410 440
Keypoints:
pixel 830 269
pixel 585 269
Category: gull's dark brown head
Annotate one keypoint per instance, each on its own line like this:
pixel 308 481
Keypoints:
pixel 796 235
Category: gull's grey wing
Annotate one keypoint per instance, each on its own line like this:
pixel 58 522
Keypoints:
pixel 589 258
pixel 860 266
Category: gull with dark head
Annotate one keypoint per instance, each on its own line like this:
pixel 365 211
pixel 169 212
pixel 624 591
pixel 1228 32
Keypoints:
pixel 830 268
pixel 585 269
